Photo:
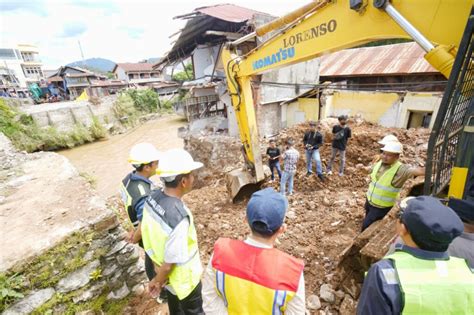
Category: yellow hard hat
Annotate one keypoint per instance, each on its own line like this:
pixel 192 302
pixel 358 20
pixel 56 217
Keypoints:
pixel 143 153
pixel 175 162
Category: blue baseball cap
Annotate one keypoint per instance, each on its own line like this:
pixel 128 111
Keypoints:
pixel 432 225
pixel 266 211
pixel 464 209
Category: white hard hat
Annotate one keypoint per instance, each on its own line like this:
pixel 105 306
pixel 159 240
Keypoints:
pixel 393 147
pixel 143 153
pixel 175 162
pixel 388 138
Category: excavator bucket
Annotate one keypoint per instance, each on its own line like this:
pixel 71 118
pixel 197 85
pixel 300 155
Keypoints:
pixel 241 183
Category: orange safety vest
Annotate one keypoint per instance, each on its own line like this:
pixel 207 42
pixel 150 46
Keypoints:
pixel 253 280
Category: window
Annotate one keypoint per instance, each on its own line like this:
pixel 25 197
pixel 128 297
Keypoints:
pixel 419 119
pixel 7 54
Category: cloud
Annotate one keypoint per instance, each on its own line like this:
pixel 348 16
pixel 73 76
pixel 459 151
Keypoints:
pixel 134 32
pixel 37 7
pixel 73 29
pixel 108 7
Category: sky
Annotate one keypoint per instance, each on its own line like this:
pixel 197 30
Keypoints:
pixel 119 30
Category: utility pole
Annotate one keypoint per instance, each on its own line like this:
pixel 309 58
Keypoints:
pixel 82 54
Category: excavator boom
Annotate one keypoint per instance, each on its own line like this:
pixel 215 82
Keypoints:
pixel 326 26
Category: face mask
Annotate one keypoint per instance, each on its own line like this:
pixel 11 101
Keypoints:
pixel 343 123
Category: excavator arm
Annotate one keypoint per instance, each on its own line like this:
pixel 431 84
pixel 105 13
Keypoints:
pixel 325 26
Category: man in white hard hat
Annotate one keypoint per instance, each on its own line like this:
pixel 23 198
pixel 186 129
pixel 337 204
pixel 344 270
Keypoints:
pixel 386 139
pixel 387 178
pixel 135 187
pixel 169 235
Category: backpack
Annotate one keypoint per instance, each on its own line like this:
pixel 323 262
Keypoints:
pixel 340 134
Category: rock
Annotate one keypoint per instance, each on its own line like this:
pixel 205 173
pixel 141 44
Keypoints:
pixel 291 214
pixel 326 293
pixel 118 247
pixel 86 312
pixel 109 270
pixel 90 293
pixel 348 306
pixel 136 268
pixel 326 202
pixel 313 302
pixel 339 296
pixel 119 294
pixel 129 257
pixel 78 278
pixel 89 255
pixel 31 302
pixel 2 199
pixel 139 289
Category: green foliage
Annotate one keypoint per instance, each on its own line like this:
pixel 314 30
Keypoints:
pixel 124 109
pixel 26 135
pixel 92 180
pixel 97 130
pixel 96 274
pixel 9 290
pixel 185 75
pixel 145 101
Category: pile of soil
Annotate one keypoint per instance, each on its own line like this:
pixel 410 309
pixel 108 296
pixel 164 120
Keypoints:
pixel 323 217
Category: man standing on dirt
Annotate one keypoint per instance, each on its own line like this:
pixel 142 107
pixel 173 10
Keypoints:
pixel 312 140
pixel 387 178
pixel 420 277
pixel 273 158
pixel 251 276
pixel 341 134
pixel 134 189
pixel 169 235
pixel 290 160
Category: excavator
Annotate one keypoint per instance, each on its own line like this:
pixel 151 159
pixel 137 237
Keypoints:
pixel 325 26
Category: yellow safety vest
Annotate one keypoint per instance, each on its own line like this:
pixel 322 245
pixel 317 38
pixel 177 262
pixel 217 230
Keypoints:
pixel 253 280
pixel 157 224
pixel 434 286
pixel 381 193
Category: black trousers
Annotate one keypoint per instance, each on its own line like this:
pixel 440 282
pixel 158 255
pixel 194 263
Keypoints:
pixel 149 267
pixel 190 305
pixel 373 214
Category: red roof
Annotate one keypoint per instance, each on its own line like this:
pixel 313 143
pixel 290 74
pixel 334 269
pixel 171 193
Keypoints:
pixel 139 66
pixel 229 12
pixel 406 58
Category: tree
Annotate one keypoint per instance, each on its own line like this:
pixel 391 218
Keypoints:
pixel 185 75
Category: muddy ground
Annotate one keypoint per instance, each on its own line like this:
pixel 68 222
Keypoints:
pixel 323 218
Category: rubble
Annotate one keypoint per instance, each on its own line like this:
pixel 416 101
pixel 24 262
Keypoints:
pixel 323 218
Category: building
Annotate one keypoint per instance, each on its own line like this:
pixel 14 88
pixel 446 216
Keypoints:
pixel 72 81
pixel 136 73
pixel 22 63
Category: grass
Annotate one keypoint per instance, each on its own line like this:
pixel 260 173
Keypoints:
pixel 26 135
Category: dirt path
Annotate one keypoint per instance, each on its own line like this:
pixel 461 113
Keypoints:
pixel 106 161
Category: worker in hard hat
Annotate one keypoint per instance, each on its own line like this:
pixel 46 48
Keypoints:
pixel 420 277
pixel 387 178
pixel 251 276
pixel 169 235
pixel 386 139
pixel 135 188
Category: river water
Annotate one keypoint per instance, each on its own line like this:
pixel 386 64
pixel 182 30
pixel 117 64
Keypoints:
pixel 106 161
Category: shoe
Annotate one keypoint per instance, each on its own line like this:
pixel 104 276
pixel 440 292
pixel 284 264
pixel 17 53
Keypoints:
pixel 341 174
pixel 309 173
pixel 329 172
pixel 321 177
pixel 290 194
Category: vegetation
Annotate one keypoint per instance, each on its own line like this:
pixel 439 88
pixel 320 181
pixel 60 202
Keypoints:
pixel 185 75
pixel 26 135
pixel 9 289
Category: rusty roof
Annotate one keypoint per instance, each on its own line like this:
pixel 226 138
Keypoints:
pixel 138 66
pixel 228 12
pixel 400 59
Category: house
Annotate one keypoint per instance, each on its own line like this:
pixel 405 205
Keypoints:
pixel 391 85
pixel 201 41
pixel 22 62
pixel 136 73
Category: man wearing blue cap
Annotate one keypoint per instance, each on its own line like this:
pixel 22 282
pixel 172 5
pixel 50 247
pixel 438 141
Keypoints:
pixel 420 277
pixel 251 276
pixel 463 246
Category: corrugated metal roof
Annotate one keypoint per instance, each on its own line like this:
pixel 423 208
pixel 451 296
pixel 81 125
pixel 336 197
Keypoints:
pixel 405 58
pixel 229 12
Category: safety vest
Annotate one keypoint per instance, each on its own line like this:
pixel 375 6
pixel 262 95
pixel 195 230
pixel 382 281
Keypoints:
pixel 434 286
pixel 381 193
pixel 161 215
pixel 131 190
pixel 254 280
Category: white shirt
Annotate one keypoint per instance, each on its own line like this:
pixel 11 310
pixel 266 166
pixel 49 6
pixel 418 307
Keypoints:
pixel 214 305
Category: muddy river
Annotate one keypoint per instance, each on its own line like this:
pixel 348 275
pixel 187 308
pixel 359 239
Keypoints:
pixel 106 161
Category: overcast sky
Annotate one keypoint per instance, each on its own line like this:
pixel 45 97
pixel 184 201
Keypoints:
pixel 119 30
